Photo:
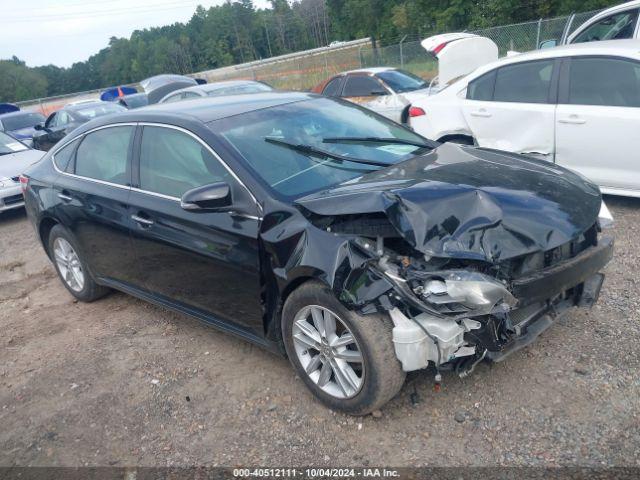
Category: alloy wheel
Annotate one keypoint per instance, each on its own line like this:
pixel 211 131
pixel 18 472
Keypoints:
pixel 68 264
pixel 328 352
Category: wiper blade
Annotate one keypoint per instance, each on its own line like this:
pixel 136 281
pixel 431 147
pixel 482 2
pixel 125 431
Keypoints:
pixel 380 140
pixel 318 152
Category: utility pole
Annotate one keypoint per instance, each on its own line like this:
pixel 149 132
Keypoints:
pixel 267 32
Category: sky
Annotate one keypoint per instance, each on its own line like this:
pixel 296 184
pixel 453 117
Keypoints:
pixel 61 32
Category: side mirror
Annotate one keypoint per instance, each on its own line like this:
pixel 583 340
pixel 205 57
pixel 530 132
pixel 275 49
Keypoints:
pixel 39 126
pixel 211 197
pixel 548 44
pixel 378 93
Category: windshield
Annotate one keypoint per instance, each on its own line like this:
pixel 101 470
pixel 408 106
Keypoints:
pixel 323 124
pixel 9 144
pixel 239 89
pixel 24 120
pixel 94 111
pixel 400 81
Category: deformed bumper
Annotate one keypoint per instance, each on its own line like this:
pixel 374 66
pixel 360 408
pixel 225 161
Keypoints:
pixel 567 274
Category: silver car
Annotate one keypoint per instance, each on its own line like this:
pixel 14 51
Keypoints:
pixel 15 157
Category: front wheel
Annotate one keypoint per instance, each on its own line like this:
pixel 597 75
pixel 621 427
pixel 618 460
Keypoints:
pixel 347 360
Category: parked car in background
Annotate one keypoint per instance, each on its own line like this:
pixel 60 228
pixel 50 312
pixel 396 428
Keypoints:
pixel 15 158
pixel 387 91
pixel 21 125
pixel 159 86
pixel 365 251
pixel 231 87
pixel 616 23
pixel 134 100
pixel 577 106
pixel 60 123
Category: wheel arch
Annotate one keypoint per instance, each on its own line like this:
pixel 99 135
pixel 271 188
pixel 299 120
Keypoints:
pixel 465 138
pixel 45 226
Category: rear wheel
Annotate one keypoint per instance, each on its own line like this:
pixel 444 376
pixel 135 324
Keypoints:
pixel 347 360
pixel 71 268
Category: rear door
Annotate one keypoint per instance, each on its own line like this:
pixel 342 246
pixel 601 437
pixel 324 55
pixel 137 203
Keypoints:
pixel 598 120
pixel 92 194
pixel 204 261
pixel 513 107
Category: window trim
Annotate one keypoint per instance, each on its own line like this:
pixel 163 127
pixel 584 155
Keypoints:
pixel 135 161
pixel 552 94
pixel 340 80
pixel 565 77
pixel 81 137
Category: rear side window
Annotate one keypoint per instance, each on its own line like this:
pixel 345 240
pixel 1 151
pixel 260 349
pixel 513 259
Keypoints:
pixel 62 158
pixel 331 89
pixel 172 162
pixel 361 86
pixel 615 27
pixel 103 155
pixel 527 82
pixel 482 88
pixel 613 82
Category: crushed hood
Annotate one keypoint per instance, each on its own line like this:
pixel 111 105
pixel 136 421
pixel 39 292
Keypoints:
pixel 466 202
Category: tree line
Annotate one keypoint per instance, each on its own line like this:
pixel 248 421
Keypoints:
pixel 237 32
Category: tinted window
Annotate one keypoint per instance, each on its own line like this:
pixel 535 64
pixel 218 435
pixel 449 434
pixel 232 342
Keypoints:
pixel 604 81
pixel 62 119
pixel 103 155
pixel 524 82
pixel 616 27
pixel 361 86
pixel 482 88
pixel 63 156
pixel 26 120
pixel 290 173
pixel 172 162
pixel 332 87
pixel 400 81
pixel 190 95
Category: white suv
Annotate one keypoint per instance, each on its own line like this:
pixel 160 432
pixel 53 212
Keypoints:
pixel 576 105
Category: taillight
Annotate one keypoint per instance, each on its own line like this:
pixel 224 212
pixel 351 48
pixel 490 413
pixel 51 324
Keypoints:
pixel 24 182
pixel 416 112
pixel 439 48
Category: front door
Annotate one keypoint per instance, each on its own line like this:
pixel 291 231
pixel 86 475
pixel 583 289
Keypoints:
pixel 206 261
pixel 513 108
pixel 598 120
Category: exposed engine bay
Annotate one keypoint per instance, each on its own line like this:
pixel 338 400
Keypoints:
pixel 472 253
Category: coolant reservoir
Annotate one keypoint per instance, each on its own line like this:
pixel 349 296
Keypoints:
pixel 413 346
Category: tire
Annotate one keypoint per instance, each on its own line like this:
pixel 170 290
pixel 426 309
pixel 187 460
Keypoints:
pixel 61 243
pixel 378 371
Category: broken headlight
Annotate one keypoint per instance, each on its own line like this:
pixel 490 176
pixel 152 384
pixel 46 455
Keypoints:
pixel 458 291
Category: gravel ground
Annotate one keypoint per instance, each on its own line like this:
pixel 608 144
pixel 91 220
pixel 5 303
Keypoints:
pixel 122 382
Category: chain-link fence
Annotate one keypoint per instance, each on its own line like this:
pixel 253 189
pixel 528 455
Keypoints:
pixel 304 70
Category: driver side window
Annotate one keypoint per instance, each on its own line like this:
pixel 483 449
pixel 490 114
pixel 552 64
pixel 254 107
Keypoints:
pixel 615 27
pixel 172 162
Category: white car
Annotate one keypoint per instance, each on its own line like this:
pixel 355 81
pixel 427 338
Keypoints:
pixel 616 23
pixel 15 157
pixel 216 89
pixel 576 105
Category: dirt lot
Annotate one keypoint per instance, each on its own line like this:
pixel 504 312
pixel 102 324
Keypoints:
pixel 121 382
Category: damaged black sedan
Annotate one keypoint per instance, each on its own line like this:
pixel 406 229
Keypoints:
pixel 324 232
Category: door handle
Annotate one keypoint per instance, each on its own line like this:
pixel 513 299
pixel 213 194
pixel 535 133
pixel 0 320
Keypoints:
pixel 480 113
pixel 64 197
pixel 145 222
pixel 572 120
